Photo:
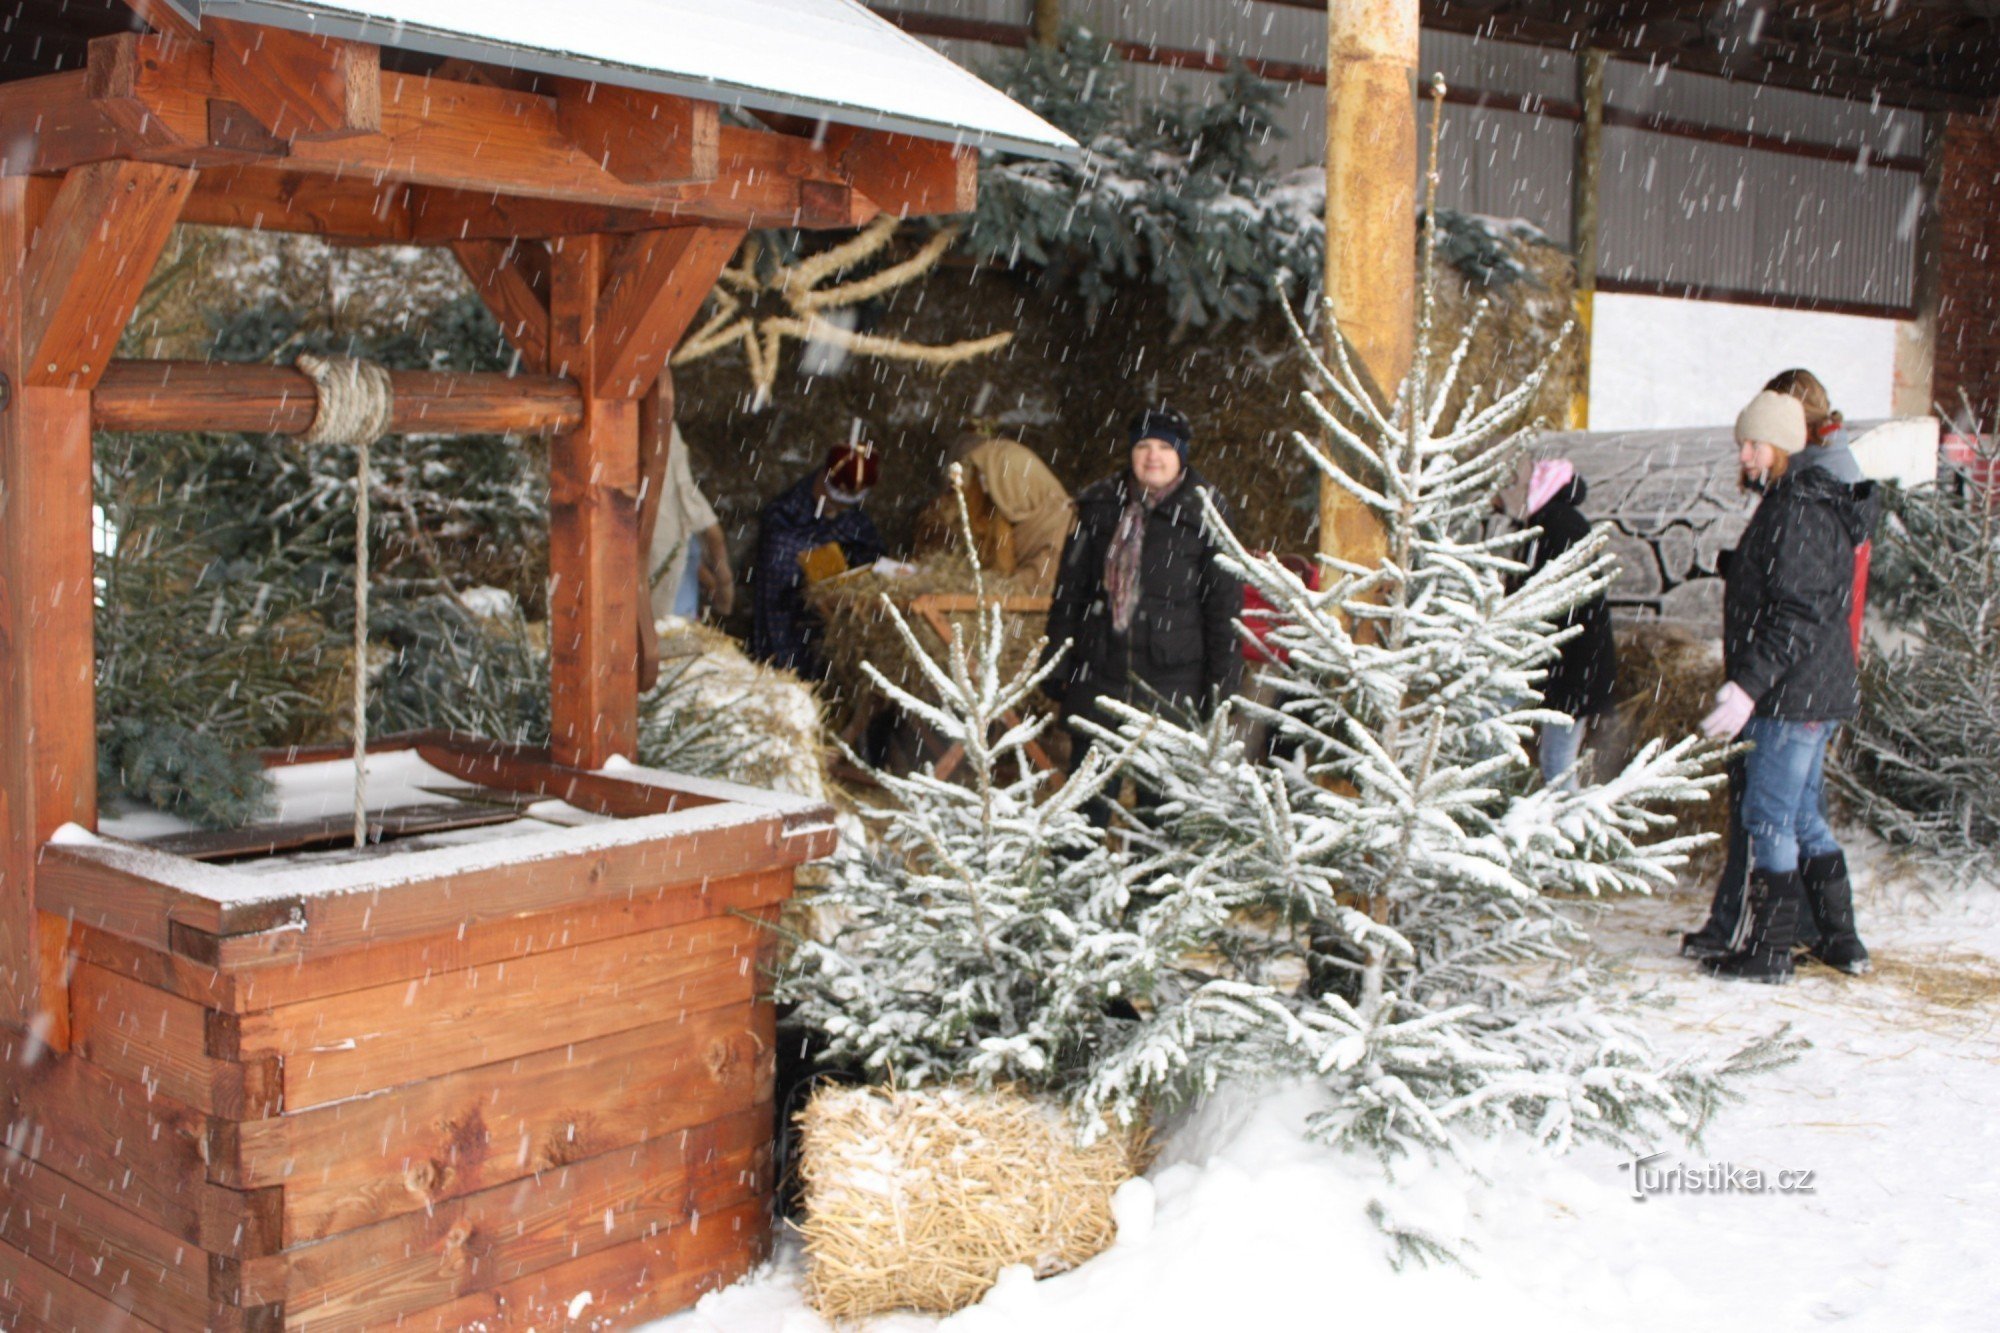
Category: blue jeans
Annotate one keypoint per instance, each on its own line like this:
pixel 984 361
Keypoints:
pixel 1783 793
pixel 1557 749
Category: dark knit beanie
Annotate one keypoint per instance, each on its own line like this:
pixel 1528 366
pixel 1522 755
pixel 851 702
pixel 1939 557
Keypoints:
pixel 1163 423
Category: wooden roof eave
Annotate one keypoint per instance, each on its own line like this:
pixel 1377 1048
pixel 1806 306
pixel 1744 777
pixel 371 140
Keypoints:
pixel 433 160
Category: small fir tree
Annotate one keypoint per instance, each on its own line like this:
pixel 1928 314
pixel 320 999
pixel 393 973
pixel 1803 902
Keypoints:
pixel 1919 764
pixel 1379 900
pixel 980 936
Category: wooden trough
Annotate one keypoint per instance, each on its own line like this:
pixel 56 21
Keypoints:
pixel 509 1074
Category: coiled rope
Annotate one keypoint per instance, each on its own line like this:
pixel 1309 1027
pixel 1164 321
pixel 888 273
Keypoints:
pixel 355 400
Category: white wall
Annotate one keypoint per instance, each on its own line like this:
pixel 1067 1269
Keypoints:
pixel 1660 361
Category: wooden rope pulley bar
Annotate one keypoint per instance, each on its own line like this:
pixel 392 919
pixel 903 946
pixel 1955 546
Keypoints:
pixel 220 396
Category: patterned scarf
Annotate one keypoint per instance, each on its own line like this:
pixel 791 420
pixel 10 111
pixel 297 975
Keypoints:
pixel 1128 541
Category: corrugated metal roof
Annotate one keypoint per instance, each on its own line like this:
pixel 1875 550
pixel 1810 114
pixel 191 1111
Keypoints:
pixel 827 58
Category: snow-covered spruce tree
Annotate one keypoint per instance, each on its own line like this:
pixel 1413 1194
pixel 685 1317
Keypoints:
pixel 1919 764
pixel 980 936
pixel 1379 900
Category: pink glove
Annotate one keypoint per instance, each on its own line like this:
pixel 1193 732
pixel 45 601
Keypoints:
pixel 1732 709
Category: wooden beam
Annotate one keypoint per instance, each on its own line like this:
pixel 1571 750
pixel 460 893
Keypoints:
pixel 512 278
pixel 593 532
pixel 907 176
pixel 299 86
pixel 48 742
pixel 92 257
pixel 219 396
pixel 644 138
pixel 164 19
pixel 657 283
pixel 495 141
pixel 264 199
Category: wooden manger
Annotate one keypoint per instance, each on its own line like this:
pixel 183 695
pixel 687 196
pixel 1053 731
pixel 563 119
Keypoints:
pixel 510 1066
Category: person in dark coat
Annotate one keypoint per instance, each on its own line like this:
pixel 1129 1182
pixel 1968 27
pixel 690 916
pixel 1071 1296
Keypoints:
pixel 1791 680
pixel 1829 895
pixel 817 518
pixel 1548 495
pixel 1147 611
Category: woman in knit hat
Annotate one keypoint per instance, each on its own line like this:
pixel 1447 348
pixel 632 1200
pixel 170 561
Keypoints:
pixel 1791 680
pixel 1147 612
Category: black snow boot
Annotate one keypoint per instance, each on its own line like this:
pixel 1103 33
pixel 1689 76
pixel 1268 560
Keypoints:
pixel 1830 899
pixel 1717 937
pixel 1777 913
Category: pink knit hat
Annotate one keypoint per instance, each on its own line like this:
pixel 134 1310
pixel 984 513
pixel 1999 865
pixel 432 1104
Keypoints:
pixel 1550 475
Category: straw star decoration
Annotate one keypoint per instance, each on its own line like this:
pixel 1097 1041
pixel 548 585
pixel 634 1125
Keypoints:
pixel 804 293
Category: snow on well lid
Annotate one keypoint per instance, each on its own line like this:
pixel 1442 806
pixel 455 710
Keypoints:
pixel 821 58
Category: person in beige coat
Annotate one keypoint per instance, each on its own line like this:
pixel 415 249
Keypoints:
pixel 1020 512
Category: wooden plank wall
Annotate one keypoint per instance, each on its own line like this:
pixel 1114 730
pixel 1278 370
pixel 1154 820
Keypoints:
pixel 468 1128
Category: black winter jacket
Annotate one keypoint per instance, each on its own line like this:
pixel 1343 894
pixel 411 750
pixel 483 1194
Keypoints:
pixel 1182 644
pixel 1789 588
pixel 1581 681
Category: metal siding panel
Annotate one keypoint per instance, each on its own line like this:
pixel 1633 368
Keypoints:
pixel 1507 165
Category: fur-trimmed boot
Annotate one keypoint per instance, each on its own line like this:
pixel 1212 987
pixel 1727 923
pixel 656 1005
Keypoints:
pixel 1830 899
pixel 1777 913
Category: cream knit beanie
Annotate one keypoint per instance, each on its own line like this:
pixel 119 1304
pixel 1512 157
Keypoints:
pixel 1775 419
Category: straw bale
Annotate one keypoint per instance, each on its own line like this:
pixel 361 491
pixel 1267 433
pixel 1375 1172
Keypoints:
pixel 1668 673
pixel 858 630
pixel 917 1200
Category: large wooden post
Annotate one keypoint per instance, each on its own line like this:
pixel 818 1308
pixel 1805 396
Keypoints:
pixel 73 259
pixel 1914 393
pixel 1045 28
pixel 1583 219
pixel 1371 182
pixel 594 581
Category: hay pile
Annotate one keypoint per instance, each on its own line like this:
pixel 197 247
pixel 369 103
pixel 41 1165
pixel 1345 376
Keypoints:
pixel 917 1200
pixel 1668 673
pixel 719 714
pixel 858 630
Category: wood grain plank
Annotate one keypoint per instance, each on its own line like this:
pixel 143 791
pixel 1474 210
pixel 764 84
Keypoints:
pixel 629 1284
pixel 500 1235
pixel 35 1296
pixel 162 1042
pixel 504 273
pixel 593 532
pixel 907 176
pixel 655 289
pixel 644 138
pixel 124 1259
pixel 299 86
pixel 365 1041
pixel 94 253
pixel 48 713
pixel 357 1162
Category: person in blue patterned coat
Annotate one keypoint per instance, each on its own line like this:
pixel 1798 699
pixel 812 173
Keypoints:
pixel 818 511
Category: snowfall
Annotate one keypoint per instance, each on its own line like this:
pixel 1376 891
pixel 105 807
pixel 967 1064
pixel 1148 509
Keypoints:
pixel 1242 1224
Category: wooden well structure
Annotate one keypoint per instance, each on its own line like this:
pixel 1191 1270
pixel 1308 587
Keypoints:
pixel 523 1084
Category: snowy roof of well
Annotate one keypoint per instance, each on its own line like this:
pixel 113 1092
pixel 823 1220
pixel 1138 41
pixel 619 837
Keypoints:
pixel 824 58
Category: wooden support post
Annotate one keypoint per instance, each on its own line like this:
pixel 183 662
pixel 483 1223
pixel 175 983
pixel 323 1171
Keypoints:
pixel 593 531
pixel 1371 181
pixel 512 278
pixel 653 289
pixel 1583 218
pixel 1915 390
pixel 48 744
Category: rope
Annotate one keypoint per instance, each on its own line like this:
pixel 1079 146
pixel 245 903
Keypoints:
pixel 355 400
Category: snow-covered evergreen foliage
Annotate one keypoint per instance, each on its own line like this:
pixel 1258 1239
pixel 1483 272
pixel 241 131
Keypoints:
pixel 1169 192
pixel 1920 762
pixel 1378 901
pixel 980 934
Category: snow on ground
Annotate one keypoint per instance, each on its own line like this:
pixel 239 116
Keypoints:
pixel 1658 362
pixel 1892 1110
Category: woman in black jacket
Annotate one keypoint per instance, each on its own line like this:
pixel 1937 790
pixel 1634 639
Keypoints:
pixel 1147 612
pixel 1547 495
